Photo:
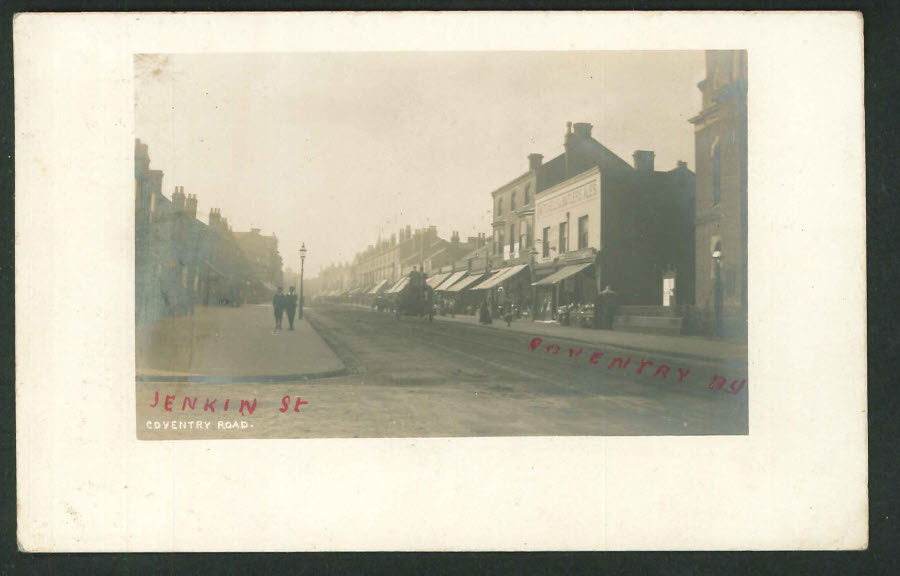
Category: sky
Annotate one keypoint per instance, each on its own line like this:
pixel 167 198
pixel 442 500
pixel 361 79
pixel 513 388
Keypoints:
pixel 337 149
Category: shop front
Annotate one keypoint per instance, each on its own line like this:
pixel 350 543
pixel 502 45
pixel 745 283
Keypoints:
pixel 569 291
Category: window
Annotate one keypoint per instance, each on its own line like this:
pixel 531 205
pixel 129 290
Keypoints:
pixel 583 232
pixel 512 202
pixel 529 234
pixel 545 243
pixel 499 206
pixel 716 174
pixel 563 238
pixel 527 193
pixel 512 237
pixel 499 241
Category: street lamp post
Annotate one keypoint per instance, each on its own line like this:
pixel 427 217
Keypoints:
pixel 717 263
pixel 302 262
pixel 534 307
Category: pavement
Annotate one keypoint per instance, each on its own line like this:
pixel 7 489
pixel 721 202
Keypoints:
pixel 231 345
pixel 689 347
pixel 692 347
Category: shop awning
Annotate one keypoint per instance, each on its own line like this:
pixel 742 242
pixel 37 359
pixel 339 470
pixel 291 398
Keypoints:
pixel 492 281
pixel 446 284
pixel 399 286
pixel 561 274
pixel 504 275
pixel 465 283
pixel 395 285
pixel 435 281
pixel 378 287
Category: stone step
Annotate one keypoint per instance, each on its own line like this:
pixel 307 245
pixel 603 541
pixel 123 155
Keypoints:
pixel 665 311
pixel 670 325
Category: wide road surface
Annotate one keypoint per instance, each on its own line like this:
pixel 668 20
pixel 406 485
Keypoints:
pixel 409 378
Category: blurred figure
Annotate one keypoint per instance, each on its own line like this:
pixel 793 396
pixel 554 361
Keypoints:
pixel 278 306
pixel 290 306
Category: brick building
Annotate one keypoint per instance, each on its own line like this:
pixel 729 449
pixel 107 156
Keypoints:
pixel 180 262
pixel 630 228
pixel 720 132
pixel 170 246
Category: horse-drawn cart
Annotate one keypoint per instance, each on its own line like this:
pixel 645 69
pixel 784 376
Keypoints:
pixel 415 299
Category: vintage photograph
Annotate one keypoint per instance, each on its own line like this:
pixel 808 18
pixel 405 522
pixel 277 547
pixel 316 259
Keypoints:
pixel 441 244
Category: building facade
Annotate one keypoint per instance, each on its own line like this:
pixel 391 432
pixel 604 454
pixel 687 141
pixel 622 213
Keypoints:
pixel 265 262
pixel 180 262
pixel 720 135
pixel 629 229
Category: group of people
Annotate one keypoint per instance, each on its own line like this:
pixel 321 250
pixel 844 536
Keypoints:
pixel 284 304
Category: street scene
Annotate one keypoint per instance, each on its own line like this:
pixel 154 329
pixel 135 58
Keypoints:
pixel 371 246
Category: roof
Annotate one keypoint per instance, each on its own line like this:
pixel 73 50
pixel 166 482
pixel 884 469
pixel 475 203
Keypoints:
pixel 584 154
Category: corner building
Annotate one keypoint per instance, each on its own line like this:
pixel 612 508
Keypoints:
pixel 720 135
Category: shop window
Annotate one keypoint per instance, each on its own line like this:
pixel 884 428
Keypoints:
pixel 545 243
pixel 583 232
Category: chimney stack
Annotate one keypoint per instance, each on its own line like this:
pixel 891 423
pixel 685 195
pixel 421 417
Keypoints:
pixel 534 161
pixel 681 164
pixel 178 199
pixel 583 130
pixel 214 217
pixel 190 206
pixel 643 160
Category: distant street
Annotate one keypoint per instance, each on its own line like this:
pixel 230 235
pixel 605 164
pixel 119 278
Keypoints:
pixel 409 378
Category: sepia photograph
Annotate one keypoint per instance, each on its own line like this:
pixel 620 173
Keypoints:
pixel 448 281
pixel 441 244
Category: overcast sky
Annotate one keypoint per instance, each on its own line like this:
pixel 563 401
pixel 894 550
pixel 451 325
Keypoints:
pixel 333 149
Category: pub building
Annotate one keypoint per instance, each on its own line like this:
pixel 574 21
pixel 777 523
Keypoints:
pixel 566 229
pixel 629 229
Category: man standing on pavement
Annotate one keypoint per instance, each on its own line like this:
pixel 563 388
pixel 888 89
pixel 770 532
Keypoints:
pixel 278 306
pixel 290 306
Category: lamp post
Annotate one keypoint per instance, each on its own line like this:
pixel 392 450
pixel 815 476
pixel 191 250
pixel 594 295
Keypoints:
pixel 302 262
pixel 534 306
pixel 717 264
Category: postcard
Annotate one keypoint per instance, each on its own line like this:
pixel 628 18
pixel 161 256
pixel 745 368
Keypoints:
pixel 448 281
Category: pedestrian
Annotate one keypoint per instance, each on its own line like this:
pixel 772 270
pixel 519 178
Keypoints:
pixel 290 306
pixel 278 306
